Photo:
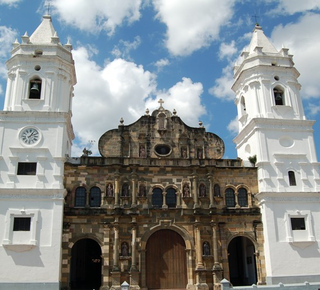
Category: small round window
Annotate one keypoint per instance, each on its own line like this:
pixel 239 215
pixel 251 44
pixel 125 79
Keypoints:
pixel 163 149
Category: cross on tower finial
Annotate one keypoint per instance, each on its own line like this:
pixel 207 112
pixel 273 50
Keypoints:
pixel 161 102
pixel 47 5
pixel 256 19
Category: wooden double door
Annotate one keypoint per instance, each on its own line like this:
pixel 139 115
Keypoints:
pixel 166 266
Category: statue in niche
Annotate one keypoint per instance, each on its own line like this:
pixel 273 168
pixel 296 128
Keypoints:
pixel 184 152
pixel 217 190
pixel 186 190
pixel 142 190
pixel 142 151
pixel 199 153
pixel 125 190
pixel 202 190
pixel 124 249
pixel 109 190
pixel 206 249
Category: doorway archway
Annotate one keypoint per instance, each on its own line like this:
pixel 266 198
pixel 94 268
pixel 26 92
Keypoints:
pixel 242 262
pixel 86 261
pixel 166 265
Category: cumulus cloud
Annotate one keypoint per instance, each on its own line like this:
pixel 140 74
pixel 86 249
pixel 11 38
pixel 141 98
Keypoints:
pixel 303 40
pixel 227 50
pixel 7 37
pixel 192 25
pixel 184 95
pixel 122 89
pixel 222 87
pixel 97 15
pixel 233 126
pixel 294 6
pixel 105 94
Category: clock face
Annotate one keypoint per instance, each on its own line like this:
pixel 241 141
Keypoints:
pixel 30 136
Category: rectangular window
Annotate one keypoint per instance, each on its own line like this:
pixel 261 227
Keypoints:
pixel 27 168
pixel 22 224
pixel 298 224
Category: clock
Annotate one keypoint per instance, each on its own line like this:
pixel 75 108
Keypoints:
pixel 30 136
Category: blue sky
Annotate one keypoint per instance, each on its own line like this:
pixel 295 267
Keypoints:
pixel 130 53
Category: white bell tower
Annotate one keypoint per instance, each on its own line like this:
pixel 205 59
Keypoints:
pixel 275 135
pixel 35 136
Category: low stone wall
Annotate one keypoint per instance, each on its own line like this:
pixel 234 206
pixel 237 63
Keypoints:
pixel 226 285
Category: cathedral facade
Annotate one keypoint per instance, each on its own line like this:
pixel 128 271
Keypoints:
pixel 160 208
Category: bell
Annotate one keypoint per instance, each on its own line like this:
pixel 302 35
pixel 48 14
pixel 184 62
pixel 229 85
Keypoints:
pixel 34 88
pixel 278 97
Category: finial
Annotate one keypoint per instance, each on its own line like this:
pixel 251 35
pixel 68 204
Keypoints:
pixel 161 102
pixel 147 112
pixel 174 112
pixel 256 20
pixel 121 121
pixel 200 124
pixel 48 5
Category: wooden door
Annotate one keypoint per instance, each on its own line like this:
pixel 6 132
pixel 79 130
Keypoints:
pixel 166 266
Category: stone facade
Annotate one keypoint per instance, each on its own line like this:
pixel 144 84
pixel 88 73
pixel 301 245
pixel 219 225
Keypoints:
pixel 131 214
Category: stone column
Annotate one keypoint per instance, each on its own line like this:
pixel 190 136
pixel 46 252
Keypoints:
pixel 134 273
pixel 216 269
pixel 164 205
pixel 195 191
pixel 178 196
pixel 116 190
pixel 116 249
pixel 198 246
pixel 115 274
pixel 210 190
pixel 134 191
pixel 201 283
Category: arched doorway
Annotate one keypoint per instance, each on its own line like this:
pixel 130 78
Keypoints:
pixel 242 262
pixel 85 265
pixel 166 261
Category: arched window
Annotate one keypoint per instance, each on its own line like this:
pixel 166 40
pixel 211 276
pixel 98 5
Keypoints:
pixel 243 105
pixel 278 96
pixel 80 197
pixel 230 197
pixel 157 197
pixel 125 189
pixel 292 178
pixel 35 89
pixel 95 196
pixel 242 197
pixel 171 197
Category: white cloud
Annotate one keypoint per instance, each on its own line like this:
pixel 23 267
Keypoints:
pixel 7 37
pixel 222 88
pixel 185 96
pixel 233 126
pixel 122 89
pixel 303 40
pixel 162 63
pixel 227 50
pixel 294 6
pixel 123 49
pixel 105 94
pixel 97 15
pixel 9 2
pixel 192 25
